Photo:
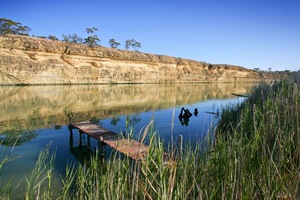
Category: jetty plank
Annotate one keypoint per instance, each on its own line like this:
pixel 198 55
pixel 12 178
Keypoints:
pixel 94 130
pixel 129 147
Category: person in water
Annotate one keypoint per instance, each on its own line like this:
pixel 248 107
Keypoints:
pixel 184 116
pixel 185 113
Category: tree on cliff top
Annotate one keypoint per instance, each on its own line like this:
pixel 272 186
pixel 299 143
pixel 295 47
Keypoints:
pixel 92 39
pixel 128 43
pixel 132 43
pixel 8 26
pixel 113 43
pixel 136 46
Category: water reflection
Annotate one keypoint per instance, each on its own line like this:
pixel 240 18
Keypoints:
pixel 16 137
pixel 83 150
pixel 184 121
pixel 37 107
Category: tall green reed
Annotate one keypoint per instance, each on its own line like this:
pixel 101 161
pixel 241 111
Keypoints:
pixel 38 182
pixel 267 133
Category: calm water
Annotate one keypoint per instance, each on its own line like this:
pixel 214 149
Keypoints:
pixel 40 115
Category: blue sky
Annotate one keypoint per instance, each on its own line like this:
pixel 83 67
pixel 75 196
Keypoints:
pixel 250 33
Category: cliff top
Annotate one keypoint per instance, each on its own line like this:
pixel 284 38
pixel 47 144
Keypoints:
pixel 26 43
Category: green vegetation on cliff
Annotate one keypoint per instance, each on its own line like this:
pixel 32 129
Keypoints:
pixel 8 26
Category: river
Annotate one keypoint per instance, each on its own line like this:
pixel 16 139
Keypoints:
pixel 33 117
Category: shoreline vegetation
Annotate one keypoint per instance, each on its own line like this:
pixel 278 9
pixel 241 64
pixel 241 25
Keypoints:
pixel 254 153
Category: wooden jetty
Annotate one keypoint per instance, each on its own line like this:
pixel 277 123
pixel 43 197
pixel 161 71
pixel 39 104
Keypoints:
pixel 130 147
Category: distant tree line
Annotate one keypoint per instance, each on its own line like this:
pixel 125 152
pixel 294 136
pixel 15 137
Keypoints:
pixel 8 26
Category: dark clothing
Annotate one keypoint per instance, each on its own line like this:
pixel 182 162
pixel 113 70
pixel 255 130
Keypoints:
pixel 184 116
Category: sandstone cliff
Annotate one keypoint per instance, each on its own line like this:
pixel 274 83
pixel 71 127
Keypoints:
pixel 27 60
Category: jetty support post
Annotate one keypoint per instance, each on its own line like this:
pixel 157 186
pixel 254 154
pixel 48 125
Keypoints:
pixel 71 142
pixel 101 147
pixel 80 138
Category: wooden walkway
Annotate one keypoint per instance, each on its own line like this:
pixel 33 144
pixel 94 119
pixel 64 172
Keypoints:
pixel 129 147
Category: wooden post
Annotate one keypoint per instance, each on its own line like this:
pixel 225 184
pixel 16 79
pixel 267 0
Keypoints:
pixel 71 137
pixel 80 138
pixel 100 149
pixel 89 140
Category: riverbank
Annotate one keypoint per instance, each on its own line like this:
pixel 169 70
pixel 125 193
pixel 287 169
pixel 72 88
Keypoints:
pixel 255 156
pixel 27 60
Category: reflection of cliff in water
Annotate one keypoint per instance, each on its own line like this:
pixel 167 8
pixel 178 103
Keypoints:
pixel 33 107
pixel 16 137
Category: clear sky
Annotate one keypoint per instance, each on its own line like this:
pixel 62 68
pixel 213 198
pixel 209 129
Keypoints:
pixel 250 33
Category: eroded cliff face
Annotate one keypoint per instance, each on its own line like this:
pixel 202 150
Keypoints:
pixel 27 60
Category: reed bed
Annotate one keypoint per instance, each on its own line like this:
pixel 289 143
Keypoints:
pixel 253 154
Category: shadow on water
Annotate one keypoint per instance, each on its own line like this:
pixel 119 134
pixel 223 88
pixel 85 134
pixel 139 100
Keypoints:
pixel 84 150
